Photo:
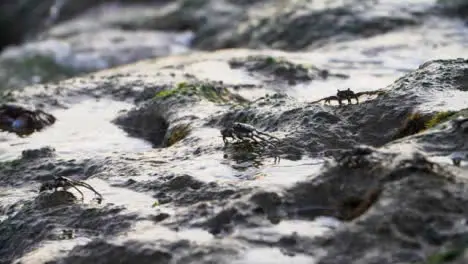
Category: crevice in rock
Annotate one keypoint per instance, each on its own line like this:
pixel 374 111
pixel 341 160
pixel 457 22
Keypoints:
pixel 146 125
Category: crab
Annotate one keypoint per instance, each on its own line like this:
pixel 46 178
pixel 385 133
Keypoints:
pixel 341 95
pixel 243 132
pixel 67 183
pixel 348 94
pixel 22 121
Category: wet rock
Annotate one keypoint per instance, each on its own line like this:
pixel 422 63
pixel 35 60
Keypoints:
pixel 316 26
pixel 315 128
pixel 182 251
pixel 453 7
pixel 23 121
pixel 205 17
pixel 285 24
pixel 54 199
pixel 93 41
pixel 186 190
pixel 152 121
pixel 100 251
pixel 401 218
pixel 24 20
pixel 160 217
pixel 184 181
pixel 33 223
pixel 278 69
pixel 378 192
pixel 145 123
pixel 44 152
pixel 268 203
pixel 39 165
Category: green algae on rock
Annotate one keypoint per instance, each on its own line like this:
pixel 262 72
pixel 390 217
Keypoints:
pixel 418 122
pixel 446 257
pixel 438 118
pixel 176 134
pixel 413 124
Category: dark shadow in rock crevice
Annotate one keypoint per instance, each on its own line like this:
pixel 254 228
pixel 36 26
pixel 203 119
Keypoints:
pixel 148 125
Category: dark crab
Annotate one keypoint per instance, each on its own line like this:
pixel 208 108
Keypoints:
pixel 341 95
pixel 243 133
pixel 22 121
pixel 348 95
pixel 66 183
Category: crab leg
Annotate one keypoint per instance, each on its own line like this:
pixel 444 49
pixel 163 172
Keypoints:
pixel 268 135
pixel 78 190
pixel 264 140
pixel 85 185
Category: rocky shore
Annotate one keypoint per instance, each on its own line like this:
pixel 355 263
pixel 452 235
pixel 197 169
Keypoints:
pixel 142 90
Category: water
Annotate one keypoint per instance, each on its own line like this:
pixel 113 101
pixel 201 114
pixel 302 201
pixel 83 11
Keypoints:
pixel 83 130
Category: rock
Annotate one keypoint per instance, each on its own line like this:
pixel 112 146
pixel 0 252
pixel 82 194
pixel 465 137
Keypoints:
pixel 127 253
pixel 91 41
pixel 375 189
pixel 23 20
pixel 38 153
pixel 401 217
pixel 278 69
pixel 31 220
pixel 453 8
pixel 288 25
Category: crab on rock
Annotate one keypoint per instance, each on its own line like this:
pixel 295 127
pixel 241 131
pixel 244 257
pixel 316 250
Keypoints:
pixel 66 183
pixel 245 132
pixel 347 94
pixel 17 119
pixel 242 131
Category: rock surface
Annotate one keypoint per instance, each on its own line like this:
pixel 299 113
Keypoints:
pixel 358 183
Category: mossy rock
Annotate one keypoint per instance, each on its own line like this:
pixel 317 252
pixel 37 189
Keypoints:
pixel 418 122
pixel 177 133
pixel 445 257
pixel 206 91
pixel 413 124
pixel 438 118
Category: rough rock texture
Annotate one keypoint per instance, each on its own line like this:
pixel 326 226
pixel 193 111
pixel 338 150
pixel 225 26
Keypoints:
pixel 359 183
pixel 378 194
